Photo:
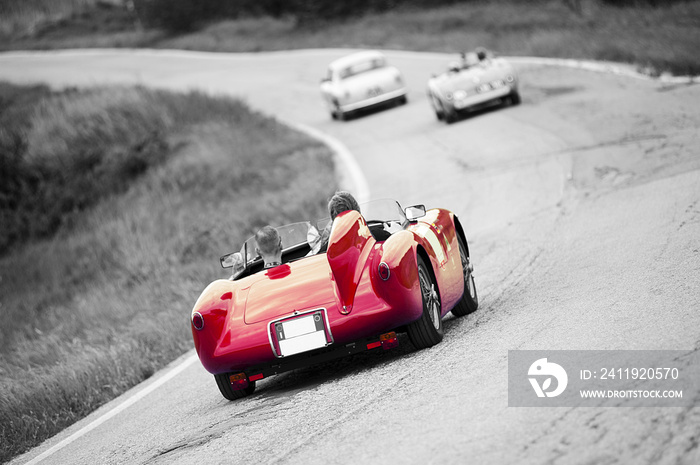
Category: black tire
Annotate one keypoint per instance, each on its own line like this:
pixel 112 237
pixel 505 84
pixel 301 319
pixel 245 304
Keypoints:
pixel 450 116
pixel 470 300
pixel 437 106
pixel 427 330
pixel 514 98
pixel 222 380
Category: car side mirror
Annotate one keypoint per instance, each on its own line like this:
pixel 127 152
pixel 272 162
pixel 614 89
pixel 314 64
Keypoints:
pixel 414 212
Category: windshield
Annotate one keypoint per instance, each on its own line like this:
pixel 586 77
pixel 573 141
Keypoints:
pixel 361 67
pixel 292 235
pixel 470 59
pixel 308 234
pixel 382 210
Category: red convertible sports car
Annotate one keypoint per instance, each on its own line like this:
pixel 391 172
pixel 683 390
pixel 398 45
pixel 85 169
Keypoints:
pixel 384 271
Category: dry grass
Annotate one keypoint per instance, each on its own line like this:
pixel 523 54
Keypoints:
pixel 22 17
pixel 658 39
pixel 664 39
pixel 105 301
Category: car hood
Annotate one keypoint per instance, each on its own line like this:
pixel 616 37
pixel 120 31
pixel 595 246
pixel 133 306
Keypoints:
pixel 296 286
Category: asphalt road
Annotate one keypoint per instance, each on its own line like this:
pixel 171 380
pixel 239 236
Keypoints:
pixel 582 210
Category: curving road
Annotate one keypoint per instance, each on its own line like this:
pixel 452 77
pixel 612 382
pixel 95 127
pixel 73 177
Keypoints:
pixel 582 207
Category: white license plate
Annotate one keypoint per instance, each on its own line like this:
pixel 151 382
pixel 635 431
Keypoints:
pixel 301 334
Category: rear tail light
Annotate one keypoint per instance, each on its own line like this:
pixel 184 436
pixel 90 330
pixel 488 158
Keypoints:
pixel 373 345
pixel 238 381
pixel 198 321
pixel 255 377
pixel 384 272
pixel 389 340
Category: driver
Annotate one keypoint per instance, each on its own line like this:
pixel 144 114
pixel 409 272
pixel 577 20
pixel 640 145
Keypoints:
pixel 340 202
pixel 269 246
pixel 483 55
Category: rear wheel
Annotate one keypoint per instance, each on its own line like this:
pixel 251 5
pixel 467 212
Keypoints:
pixel 450 116
pixel 427 330
pixel 470 301
pixel 222 380
pixel 514 98
pixel 437 106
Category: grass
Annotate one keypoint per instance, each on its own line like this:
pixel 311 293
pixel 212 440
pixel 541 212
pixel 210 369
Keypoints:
pixel 662 39
pixel 103 301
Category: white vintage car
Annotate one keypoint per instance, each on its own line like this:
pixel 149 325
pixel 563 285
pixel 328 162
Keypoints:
pixel 361 80
pixel 479 79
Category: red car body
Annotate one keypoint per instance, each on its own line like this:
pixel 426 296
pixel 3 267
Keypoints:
pixel 360 289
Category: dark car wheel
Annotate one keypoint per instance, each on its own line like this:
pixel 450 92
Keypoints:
pixel 514 98
pixel 470 300
pixel 222 380
pixel 427 330
pixel 450 116
pixel 437 106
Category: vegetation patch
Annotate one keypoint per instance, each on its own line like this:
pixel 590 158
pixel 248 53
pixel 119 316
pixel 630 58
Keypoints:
pixel 152 187
pixel 657 36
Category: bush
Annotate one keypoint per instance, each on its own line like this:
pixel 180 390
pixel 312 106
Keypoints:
pixel 69 152
pixel 637 3
pixel 186 15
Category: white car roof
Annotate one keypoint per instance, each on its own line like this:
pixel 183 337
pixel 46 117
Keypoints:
pixel 353 58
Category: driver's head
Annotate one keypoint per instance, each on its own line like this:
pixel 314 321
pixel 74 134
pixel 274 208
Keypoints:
pixel 481 53
pixel 340 202
pixel 268 241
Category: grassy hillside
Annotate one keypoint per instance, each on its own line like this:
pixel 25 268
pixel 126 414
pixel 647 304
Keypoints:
pixel 662 38
pixel 152 188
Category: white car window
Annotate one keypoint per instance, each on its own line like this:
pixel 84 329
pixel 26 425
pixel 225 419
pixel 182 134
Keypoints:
pixel 362 67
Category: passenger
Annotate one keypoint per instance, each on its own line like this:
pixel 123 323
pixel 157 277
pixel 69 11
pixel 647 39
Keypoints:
pixel 340 202
pixel 463 62
pixel 483 55
pixel 269 246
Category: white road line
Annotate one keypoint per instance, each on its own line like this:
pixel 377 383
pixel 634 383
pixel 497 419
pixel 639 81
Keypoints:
pixel 119 408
